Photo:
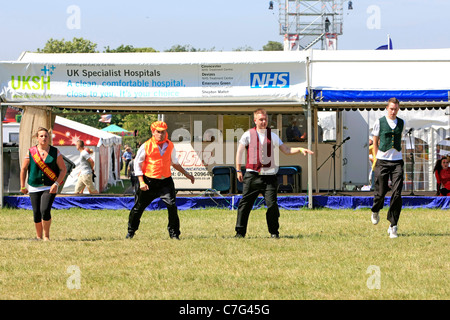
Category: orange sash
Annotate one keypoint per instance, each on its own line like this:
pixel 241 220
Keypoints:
pixel 41 164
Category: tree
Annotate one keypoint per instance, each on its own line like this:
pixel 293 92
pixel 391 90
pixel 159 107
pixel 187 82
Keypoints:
pixel 91 119
pixel 187 48
pixel 244 48
pixel 76 45
pixel 129 48
pixel 145 49
pixel 141 123
pixel 273 46
pixel 180 48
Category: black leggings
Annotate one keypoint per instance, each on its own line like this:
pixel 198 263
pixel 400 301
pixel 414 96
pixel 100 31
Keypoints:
pixel 42 205
pixel 444 191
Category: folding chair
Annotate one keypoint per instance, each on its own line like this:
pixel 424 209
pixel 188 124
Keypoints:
pixel 287 177
pixel 224 179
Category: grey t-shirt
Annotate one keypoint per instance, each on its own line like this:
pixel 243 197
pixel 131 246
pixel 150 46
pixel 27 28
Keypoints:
pixel 85 166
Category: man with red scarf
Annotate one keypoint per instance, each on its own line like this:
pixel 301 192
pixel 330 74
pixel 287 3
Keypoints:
pixel 261 169
pixel 152 168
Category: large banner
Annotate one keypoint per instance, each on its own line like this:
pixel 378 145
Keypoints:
pixel 111 82
pixel 194 162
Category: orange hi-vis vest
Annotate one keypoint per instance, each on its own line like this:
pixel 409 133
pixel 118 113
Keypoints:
pixel 156 166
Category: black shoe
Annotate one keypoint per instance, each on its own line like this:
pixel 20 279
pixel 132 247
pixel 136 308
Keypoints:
pixel 239 235
pixel 275 235
pixel 174 233
pixel 130 235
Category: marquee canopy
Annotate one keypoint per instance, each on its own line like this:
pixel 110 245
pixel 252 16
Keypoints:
pixel 154 80
pixel 224 82
pixel 228 80
pixel 67 132
pixel 367 79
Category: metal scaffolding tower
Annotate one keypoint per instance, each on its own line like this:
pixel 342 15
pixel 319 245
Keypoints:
pixel 304 23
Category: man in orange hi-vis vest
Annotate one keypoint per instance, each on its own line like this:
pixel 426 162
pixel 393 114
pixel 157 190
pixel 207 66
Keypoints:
pixel 152 168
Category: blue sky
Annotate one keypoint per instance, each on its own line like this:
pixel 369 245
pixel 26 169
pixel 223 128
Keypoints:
pixel 223 25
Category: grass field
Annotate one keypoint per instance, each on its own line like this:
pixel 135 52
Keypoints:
pixel 322 254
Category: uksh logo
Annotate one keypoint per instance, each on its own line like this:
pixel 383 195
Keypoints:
pixel 269 80
pixel 41 82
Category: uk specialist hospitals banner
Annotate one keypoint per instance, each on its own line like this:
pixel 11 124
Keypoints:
pixel 112 83
pixel 53 83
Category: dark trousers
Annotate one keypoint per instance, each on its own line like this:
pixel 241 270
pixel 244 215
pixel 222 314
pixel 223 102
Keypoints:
pixel 163 189
pixel 443 192
pixel 253 185
pixel 385 170
pixel 135 185
pixel 41 202
pixel 127 161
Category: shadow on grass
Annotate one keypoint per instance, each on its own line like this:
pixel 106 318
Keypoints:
pixel 423 234
pixel 209 237
pixel 59 240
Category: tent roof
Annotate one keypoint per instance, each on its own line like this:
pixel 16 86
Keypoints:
pixel 68 132
pixel 166 58
pixel 368 78
pixel 114 128
pixel 165 82
pixel 341 79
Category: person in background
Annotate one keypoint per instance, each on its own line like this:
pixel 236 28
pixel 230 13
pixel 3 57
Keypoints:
pixel 46 170
pixel 373 161
pixel 134 180
pixel 127 156
pixel 387 138
pixel 85 178
pixel 152 168
pixel 442 174
pixel 260 172
pixel 293 133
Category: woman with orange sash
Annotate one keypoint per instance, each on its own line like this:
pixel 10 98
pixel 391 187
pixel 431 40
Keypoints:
pixel 46 170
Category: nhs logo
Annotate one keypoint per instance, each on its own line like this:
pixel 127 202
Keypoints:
pixel 269 80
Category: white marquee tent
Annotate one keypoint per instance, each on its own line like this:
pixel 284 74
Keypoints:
pixel 227 82
pixel 106 152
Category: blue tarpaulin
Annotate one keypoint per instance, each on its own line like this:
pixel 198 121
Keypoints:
pixel 327 95
pixel 229 202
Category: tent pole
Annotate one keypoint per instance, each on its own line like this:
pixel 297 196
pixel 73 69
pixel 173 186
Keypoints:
pixel 309 135
pixel 1 164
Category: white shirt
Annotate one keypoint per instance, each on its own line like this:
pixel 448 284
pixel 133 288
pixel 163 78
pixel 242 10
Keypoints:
pixel 85 166
pixel 392 154
pixel 140 157
pixel 276 141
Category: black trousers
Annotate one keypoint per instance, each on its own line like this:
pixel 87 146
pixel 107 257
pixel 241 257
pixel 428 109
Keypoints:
pixel 163 189
pixel 253 185
pixel 135 185
pixel 385 170
pixel 443 192
pixel 127 161
pixel 41 202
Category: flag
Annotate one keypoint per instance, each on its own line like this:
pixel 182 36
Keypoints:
pixel 291 42
pixel 331 41
pixel 386 46
pixel 106 118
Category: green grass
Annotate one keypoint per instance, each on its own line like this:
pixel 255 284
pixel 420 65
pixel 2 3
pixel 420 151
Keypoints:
pixel 322 254
pixel 118 188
